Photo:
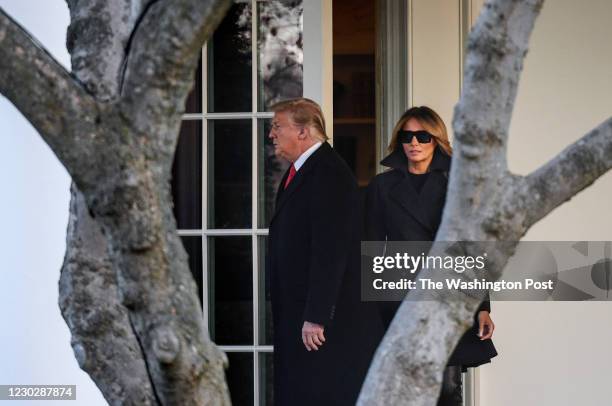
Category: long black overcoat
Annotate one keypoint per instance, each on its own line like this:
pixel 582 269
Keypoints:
pixel 396 212
pixel 313 266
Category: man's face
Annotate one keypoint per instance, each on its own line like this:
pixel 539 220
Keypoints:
pixel 284 135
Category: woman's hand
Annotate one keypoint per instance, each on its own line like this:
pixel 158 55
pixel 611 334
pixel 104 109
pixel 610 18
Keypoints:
pixel 485 325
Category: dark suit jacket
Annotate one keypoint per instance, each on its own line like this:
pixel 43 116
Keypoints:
pixel 313 265
pixel 396 212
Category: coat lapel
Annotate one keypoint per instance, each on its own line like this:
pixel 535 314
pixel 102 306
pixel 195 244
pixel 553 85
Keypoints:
pixel 283 194
pixel 434 190
pixel 405 195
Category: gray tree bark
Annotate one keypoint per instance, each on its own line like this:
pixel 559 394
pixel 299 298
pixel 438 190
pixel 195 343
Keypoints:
pixel 126 291
pixel 485 202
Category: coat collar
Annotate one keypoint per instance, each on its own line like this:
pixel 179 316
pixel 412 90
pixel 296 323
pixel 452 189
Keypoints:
pixel 282 194
pixel 397 160
pixel 403 192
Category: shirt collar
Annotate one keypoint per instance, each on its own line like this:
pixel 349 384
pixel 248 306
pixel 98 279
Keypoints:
pixel 302 158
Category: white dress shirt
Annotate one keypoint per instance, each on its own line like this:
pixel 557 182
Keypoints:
pixel 305 155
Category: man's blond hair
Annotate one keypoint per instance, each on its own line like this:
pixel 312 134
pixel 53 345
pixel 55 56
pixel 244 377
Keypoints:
pixel 305 113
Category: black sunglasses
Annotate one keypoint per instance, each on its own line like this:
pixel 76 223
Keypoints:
pixel 405 137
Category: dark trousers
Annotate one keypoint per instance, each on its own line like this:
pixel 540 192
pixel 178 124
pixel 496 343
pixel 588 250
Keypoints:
pixel 451 393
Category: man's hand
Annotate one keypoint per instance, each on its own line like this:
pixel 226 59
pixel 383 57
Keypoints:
pixel 485 325
pixel 312 335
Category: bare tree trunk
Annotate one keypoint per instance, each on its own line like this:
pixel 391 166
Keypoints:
pixel 126 291
pixel 485 202
pixel 103 341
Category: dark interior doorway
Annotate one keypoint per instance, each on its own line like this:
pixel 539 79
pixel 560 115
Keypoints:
pixel 354 36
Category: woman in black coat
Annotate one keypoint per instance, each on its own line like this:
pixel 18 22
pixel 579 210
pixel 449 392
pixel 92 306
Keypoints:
pixel 405 203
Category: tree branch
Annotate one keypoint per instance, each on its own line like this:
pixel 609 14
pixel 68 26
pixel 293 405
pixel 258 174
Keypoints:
pixel 574 169
pixel 163 56
pixel 97 40
pixel 48 96
pixel 496 49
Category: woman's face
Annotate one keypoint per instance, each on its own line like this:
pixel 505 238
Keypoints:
pixel 416 152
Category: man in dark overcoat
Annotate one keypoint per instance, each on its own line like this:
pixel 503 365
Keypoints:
pixel 324 336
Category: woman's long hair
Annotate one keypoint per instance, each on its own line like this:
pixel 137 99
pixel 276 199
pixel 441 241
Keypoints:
pixel 431 122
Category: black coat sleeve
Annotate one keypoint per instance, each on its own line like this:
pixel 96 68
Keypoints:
pixel 485 305
pixel 333 210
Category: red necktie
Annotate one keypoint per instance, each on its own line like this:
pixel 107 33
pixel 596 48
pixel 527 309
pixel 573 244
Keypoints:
pixel 291 175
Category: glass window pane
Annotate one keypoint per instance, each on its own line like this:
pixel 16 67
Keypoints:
pixel 280 51
pixel 193 246
pixel 229 62
pixel 270 173
pixel 240 378
pixel 231 299
pixel 265 304
pixel 194 100
pixel 187 176
pixel 229 173
pixel 266 376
